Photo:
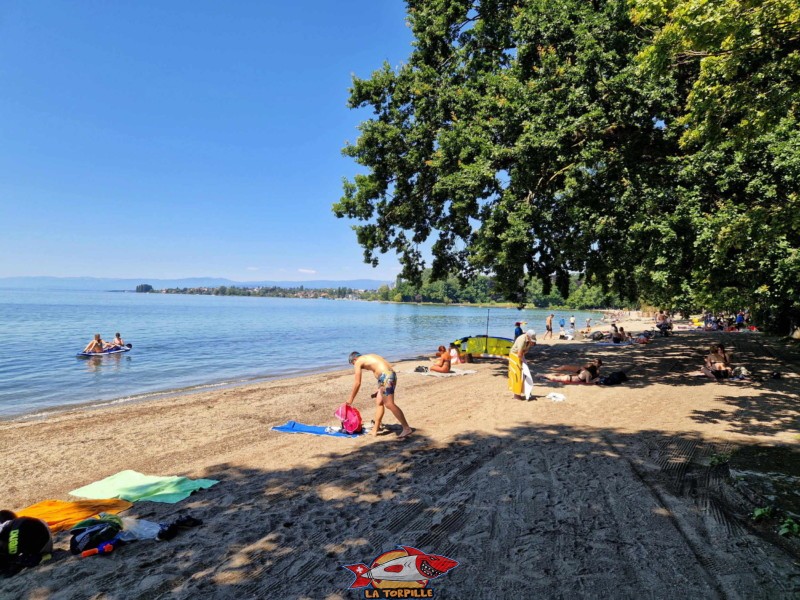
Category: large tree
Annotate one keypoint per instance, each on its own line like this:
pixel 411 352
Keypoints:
pixel 521 139
pixel 650 145
pixel 739 171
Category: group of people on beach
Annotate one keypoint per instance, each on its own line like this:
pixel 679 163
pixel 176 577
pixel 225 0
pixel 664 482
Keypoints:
pixel 716 365
pixel 97 345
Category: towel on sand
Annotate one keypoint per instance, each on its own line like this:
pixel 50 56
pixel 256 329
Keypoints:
pixel 133 486
pixel 453 373
pixel 60 515
pixel 295 427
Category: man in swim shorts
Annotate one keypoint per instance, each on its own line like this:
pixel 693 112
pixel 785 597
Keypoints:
pixel 384 397
pixel 548 325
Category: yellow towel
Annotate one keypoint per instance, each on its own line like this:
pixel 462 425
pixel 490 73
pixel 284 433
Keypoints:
pixel 60 515
pixel 515 381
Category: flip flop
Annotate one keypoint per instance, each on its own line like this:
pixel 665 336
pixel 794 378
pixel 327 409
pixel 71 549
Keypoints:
pixel 403 436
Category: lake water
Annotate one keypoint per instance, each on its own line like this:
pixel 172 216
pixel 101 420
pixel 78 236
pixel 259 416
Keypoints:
pixel 183 342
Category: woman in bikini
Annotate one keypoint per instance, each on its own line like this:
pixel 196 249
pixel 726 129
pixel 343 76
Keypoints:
pixel 96 345
pixel 442 364
pixel 588 373
pixel 717 364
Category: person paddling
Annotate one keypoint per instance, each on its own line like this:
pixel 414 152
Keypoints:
pixel 384 397
pixel 118 342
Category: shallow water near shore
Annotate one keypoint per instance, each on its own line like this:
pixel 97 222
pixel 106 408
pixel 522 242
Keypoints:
pixel 185 342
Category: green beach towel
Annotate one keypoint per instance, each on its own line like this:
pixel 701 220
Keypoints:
pixel 134 486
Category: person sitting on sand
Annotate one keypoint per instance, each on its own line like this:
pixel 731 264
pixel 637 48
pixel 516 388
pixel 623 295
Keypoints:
pixel 455 355
pixel 384 397
pixel 717 364
pixel 587 373
pixel 96 345
pixel 442 361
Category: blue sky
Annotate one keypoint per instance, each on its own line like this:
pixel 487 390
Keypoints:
pixel 176 139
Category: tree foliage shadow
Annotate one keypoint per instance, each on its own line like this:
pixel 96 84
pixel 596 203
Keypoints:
pixel 280 533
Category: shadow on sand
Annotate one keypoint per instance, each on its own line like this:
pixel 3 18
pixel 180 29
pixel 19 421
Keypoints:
pixel 527 512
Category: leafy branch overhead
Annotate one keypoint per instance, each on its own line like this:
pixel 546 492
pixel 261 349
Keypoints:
pixel 533 139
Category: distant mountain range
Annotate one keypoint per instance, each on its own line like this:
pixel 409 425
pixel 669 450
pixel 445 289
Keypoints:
pixel 102 284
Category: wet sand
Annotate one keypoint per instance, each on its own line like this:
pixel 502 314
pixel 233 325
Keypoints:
pixel 612 492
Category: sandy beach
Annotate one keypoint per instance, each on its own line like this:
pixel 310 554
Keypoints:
pixel 612 492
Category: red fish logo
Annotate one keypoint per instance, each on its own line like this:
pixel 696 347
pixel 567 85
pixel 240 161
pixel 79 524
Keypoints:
pixel 406 568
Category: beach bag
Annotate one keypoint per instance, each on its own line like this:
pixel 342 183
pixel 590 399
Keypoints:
pixel 614 378
pixel 90 533
pixel 350 418
pixel 24 542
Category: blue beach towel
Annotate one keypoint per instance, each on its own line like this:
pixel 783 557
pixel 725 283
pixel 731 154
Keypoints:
pixel 295 427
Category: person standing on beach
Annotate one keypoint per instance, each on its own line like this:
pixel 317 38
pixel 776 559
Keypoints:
pixel 384 397
pixel 516 358
pixel 572 322
pixel 518 328
pixel 548 325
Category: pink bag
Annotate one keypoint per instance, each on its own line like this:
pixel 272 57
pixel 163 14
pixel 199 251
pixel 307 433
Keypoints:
pixel 350 418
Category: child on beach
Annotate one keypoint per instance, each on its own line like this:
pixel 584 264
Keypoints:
pixel 455 355
pixel 384 397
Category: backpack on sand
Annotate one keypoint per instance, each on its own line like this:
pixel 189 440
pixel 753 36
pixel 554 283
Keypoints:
pixel 350 418
pixel 90 533
pixel 24 542
pixel 614 378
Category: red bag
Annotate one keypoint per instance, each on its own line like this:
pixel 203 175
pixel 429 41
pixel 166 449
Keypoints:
pixel 350 418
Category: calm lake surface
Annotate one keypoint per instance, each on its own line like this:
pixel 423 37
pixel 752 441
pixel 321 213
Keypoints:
pixel 184 343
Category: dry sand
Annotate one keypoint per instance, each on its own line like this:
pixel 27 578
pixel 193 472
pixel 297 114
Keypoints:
pixel 610 493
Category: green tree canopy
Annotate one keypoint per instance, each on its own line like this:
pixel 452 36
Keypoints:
pixel 515 138
pixel 739 170
pixel 649 145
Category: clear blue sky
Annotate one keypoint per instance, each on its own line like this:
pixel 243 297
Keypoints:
pixel 177 139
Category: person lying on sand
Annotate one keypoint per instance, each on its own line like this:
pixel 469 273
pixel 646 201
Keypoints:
pixel 384 397
pixel 587 373
pixel 442 359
